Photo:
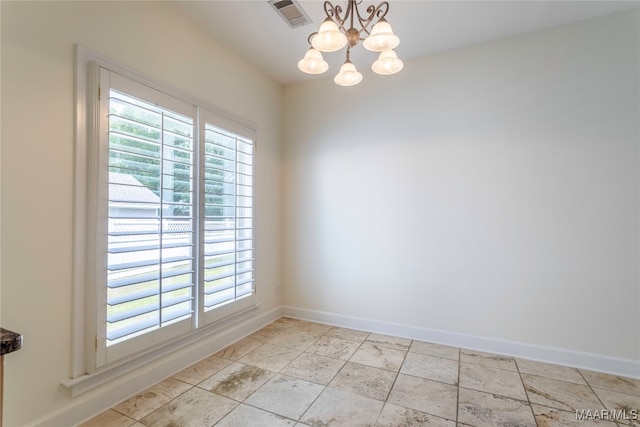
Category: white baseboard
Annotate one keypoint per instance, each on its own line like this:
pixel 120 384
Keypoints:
pixel 559 356
pixel 89 404
pixel 93 402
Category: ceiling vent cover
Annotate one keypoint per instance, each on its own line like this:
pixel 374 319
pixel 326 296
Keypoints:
pixel 291 12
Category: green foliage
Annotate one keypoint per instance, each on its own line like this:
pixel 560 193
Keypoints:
pixel 140 139
pixel 144 143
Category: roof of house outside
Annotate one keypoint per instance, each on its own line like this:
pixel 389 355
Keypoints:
pixel 126 188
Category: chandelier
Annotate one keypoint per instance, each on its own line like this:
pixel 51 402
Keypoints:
pixel 338 31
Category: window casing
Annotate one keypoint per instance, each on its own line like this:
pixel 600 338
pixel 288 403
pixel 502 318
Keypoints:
pixel 170 218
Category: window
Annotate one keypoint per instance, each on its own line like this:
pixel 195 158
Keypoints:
pixel 170 217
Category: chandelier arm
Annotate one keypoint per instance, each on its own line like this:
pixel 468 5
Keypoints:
pixel 379 11
pixel 382 10
pixel 310 37
pixel 352 12
pixel 333 12
pixel 364 22
pixel 347 13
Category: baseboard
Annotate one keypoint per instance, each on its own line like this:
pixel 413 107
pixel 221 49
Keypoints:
pixel 559 356
pixel 87 405
pixel 91 403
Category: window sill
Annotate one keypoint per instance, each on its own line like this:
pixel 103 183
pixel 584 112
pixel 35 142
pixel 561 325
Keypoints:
pixel 227 330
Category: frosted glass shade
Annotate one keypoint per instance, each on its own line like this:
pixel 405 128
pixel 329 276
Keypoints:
pixel 387 63
pixel 329 37
pixel 313 63
pixel 348 75
pixel 381 38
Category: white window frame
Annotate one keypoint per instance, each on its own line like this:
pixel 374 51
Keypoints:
pixel 86 372
pixel 113 80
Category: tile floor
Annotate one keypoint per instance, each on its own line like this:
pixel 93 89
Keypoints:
pixel 299 373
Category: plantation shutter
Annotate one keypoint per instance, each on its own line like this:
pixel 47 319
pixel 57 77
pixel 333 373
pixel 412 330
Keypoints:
pixel 151 210
pixel 228 279
pixel 171 236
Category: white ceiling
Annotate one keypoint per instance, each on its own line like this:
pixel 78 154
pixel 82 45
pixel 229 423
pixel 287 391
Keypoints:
pixel 255 31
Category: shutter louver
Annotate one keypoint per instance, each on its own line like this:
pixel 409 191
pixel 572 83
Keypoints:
pixel 228 217
pixel 173 228
pixel 151 230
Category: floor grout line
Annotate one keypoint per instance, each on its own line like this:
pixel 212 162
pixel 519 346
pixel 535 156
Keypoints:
pixel 485 362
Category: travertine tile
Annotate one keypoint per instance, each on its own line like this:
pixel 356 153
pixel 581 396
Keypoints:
pixel 270 357
pixel 612 382
pixel 244 416
pixel 340 408
pixel 560 394
pixel 240 348
pixel 491 380
pixel 312 328
pixel 548 370
pixel 553 417
pixel 334 347
pixel 195 408
pixel 425 395
pixel 626 406
pixel 379 357
pixel 437 350
pixel 348 334
pixel 480 409
pixel 237 381
pixel 287 322
pixel 303 374
pixel 314 368
pixel 152 398
pixel 285 396
pixel 389 341
pixel 109 418
pixel 269 331
pixel 294 339
pixel 430 367
pixel 397 416
pixel 201 370
pixel 364 380
pixel 488 359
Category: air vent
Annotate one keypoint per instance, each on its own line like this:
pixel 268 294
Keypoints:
pixel 291 12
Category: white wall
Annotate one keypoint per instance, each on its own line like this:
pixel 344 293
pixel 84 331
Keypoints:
pixel 490 191
pixel 485 192
pixel 38 107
